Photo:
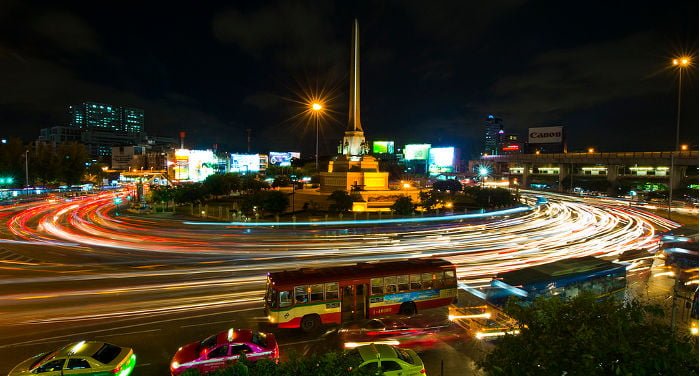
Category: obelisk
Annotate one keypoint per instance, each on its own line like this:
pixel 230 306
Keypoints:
pixel 354 139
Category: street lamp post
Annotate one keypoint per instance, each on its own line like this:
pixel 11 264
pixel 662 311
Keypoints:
pixel 681 63
pixel 316 109
pixel 26 170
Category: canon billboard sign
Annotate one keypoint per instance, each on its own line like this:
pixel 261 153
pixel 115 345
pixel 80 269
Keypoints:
pixel 546 135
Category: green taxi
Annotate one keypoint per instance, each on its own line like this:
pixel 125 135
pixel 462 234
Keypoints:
pixel 386 360
pixel 80 358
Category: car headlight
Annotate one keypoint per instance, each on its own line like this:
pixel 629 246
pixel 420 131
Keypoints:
pixel 174 365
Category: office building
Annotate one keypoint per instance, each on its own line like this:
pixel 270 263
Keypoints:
pixel 493 133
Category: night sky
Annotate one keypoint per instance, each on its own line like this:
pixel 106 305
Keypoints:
pixel 430 71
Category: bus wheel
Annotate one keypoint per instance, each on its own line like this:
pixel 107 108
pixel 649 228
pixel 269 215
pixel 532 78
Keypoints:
pixel 408 309
pixel 310 323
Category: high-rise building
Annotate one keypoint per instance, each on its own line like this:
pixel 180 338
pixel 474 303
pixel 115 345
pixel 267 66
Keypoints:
pixel 100 116
pixel 132 120
pixel 493 135
pixel 103 126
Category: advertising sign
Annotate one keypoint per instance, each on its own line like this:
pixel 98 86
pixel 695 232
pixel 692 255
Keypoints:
pixel 441 160
pixel 546 135
pixel 245 163
pixel 416 152
pixel 283 158
pixel 511 147
pixel 383 147
pixel 194 165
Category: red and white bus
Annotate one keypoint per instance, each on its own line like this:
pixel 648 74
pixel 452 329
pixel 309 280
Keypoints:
pixel 308 298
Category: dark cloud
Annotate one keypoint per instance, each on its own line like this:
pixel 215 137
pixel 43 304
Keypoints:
pixel 295 34
pixel 67 31
pixel 430 72
pixel 560 81
pixel 263 100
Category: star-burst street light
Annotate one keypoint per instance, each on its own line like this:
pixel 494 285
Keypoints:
pixel 483 173
pixel 680 63
pixel 316 109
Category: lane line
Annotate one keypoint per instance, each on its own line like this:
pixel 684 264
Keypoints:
pixel 206 323
pixel 42 340
pixel 128 333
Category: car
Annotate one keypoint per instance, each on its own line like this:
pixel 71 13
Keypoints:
pixel 417 332
pixel 80 358
pixel 217 350
pixel 386 360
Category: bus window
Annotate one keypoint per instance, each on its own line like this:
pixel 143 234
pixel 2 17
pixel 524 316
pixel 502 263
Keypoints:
pixel 300 294
pixel 427 280
pixel 415 282
pixel 377 286
pixel 331 291
pixel 390 284
pixel 403 283
pixel 285 298
pixel 438 281
pixel 317 292
pixel 450 279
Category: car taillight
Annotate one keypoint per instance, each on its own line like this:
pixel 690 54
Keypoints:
pixel 117 369
pixel 422 370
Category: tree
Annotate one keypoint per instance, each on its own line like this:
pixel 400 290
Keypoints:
pixel 403 206
pixel 585 336
pixel 275 202
pixel 73 157
pixel 190 193
pixel 428 200
pixel 447 185
pixel 342 201
pixel 222 184
pixel 282 181
pixel 251 183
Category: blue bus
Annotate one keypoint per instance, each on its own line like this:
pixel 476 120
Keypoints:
pixel 564 278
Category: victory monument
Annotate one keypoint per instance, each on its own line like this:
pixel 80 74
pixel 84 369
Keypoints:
pixel 354 169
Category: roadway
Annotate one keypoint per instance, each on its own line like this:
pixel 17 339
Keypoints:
pixel 73 270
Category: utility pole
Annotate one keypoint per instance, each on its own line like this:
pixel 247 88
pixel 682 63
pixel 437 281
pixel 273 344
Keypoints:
pixel 248 130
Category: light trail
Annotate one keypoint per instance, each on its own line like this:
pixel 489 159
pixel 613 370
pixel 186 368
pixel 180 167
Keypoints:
pixel 204 265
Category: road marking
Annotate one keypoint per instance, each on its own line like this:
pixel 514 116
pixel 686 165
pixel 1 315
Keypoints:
pixel 206 323
pixel 300 342
pixel 128 333
pixel 82 334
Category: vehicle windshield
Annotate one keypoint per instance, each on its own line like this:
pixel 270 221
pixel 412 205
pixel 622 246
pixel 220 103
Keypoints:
pixel 106 353
pixel 41 358
pixel 353 356
pixel 404 355
pixel 259 339
pixel 208 342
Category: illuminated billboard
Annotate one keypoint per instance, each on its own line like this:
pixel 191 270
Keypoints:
pixel 283 158
pixel 546 135
pixel 194 165
pixel 414 152
pixel 245 163
pixel 441 160
pixel 383 147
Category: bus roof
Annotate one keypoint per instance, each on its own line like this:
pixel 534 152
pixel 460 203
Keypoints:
pixel 361 270
pixel 588 266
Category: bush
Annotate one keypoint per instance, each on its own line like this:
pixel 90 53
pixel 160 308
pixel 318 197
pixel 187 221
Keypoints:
pixel 403 206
